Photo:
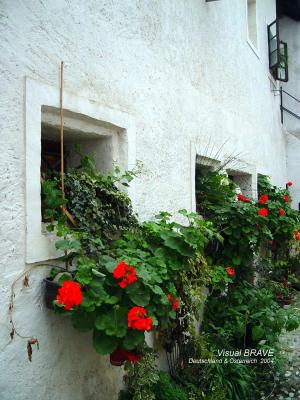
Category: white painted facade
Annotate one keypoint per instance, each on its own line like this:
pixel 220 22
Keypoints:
pixel 290 33
pixel 179 79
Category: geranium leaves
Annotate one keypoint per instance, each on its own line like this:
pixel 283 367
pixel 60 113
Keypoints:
pixel 104 344
pixel 85 267
pixel 133 339
pixel 83 320
pixel 108 262
pixel 176 242
pixel 113 323
pixel 139 294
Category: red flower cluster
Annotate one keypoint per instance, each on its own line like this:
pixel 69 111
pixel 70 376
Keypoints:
pixel 290 183
pixel 120 355
pixel 263 199
pixel 263 212
pixel 230 271
pixel 243 198
pixel 286 198
pixel 126 272
pixel 137 319
pixel 297 235
pixel 281 211
pixel 69 294
pixel 173 301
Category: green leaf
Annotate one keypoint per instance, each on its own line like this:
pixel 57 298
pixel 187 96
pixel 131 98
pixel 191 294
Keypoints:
pixel 113 323
pixel 85 266
pixel 64 277
pixel 175 242
pixel 138 294
pixel 87 302
pixel 111 300
pixel 292 324
pixel 236 260
pixel 97 273
pixel 257 332
pixel 157 290
pixel 83 321
pixel 103 343
pixel 108 262
pixel 65 244
pixel 133 339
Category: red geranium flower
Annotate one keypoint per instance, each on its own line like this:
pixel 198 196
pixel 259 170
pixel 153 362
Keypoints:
pixel 69 294
pixel 263 199
pixel 243 198
pixel 127 272
pixel 134 357
pixel 230 271
pixel 286 198
pixel 281 212
pixel 290 183
pixel 173 301
pixel 263 212
pixel 297 235
pixel 137 319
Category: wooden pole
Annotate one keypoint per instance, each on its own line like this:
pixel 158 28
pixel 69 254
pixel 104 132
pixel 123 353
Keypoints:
pixel 62 164
pixel 62 167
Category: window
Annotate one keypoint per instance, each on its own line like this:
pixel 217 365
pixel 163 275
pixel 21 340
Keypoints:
pixel 252 22
pixel 243 180
pixel 107 133
pixel 204 165
pixel 278 53
pixel 93 137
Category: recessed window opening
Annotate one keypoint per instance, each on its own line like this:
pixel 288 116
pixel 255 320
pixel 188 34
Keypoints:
pixel 242 180
pixel 252 21
pixel 94 139
pixel 204 166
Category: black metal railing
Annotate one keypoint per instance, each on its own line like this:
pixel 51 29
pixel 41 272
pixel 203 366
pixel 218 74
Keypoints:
pixel 283 108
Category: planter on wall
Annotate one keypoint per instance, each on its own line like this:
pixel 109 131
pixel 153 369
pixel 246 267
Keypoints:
pixel 118 357
pixel 51 289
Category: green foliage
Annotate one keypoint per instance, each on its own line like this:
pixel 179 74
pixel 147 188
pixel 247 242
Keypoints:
pixel 106 233
pixel 244 314
pixel 165 389
pixel 247 316
pixel 178 259
pixel 142 377
pixel 213 191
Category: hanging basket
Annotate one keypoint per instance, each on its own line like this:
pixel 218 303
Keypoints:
pixel 51 289
pixel 118 357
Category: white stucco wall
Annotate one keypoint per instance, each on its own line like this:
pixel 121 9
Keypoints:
pixel 187 75
pixel 290 33
pixel 293 167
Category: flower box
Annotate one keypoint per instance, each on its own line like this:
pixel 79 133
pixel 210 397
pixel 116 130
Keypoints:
pixel 51 289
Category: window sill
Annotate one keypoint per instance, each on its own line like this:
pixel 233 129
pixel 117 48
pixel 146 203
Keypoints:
pixel 253 48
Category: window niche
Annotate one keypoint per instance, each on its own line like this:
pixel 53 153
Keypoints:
pixel 93 137
pixel 204 165
pixel 243 180
pixel 252 22
pixel 106 133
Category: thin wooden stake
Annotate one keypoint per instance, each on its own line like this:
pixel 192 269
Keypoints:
pixel 62 167
pixel 62 164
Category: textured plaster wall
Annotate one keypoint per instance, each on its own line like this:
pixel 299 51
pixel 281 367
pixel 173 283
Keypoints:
pixel 290 33
pixel 185 71
pixel 293 167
